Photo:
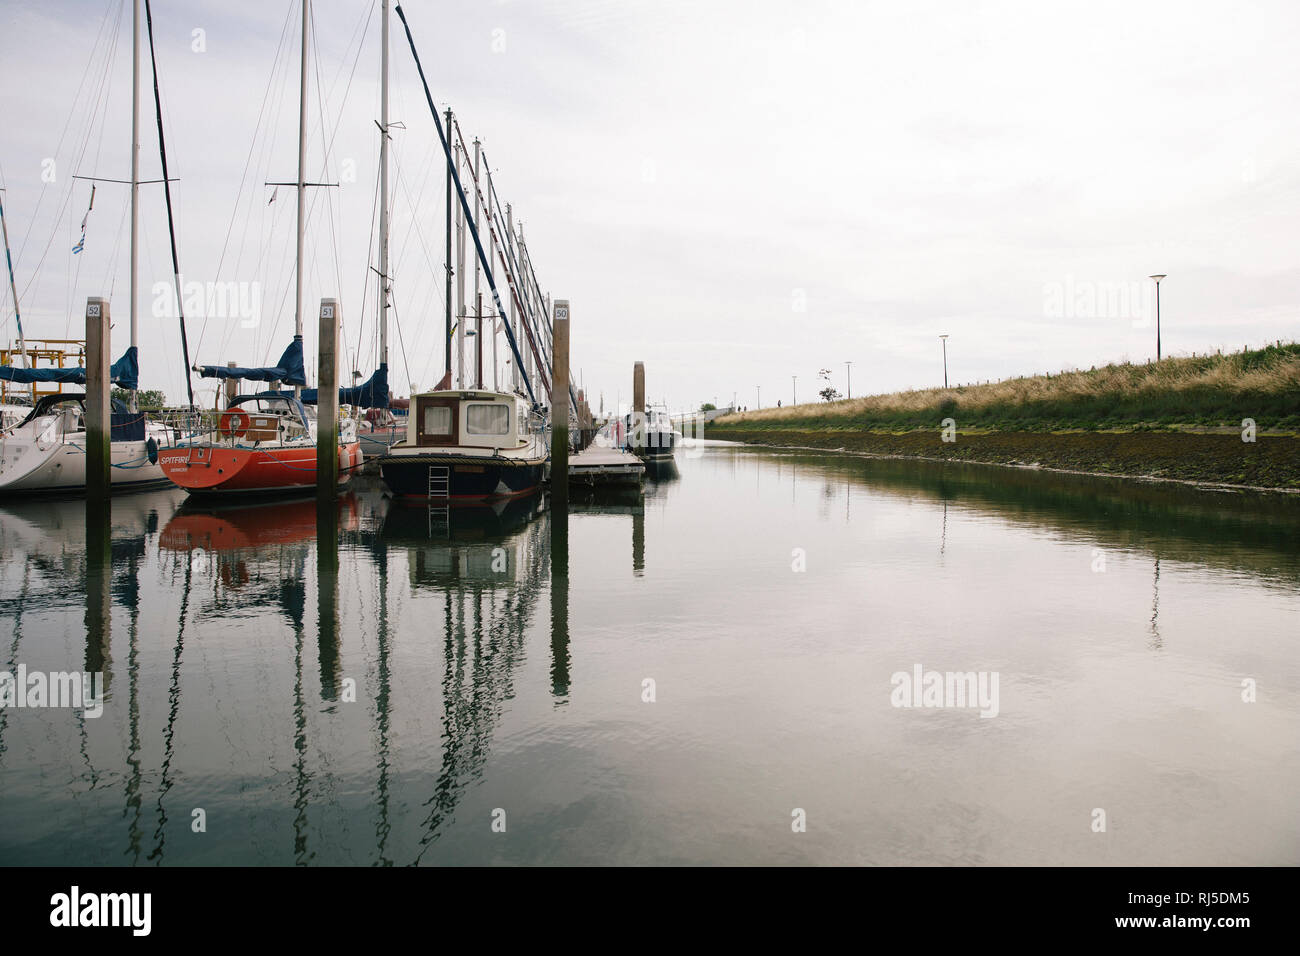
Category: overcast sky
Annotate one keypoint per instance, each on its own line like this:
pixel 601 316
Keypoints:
pixel 733 193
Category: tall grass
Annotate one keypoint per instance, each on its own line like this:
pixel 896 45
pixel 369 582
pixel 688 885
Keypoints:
pixel 1219 389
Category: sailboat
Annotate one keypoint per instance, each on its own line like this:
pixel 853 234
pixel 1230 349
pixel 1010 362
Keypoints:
pixel 266 442
pixel 46 451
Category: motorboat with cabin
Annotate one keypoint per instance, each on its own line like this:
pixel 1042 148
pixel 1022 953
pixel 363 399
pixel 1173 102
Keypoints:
pixel 650 434
pixel 467 445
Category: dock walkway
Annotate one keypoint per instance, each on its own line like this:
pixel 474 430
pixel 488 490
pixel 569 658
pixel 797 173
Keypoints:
pixel 595 465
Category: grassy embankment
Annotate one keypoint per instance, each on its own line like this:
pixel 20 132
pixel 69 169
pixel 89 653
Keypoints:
pixel 1180 418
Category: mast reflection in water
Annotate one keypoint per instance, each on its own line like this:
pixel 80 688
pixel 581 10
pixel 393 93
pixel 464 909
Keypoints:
pixel 476 688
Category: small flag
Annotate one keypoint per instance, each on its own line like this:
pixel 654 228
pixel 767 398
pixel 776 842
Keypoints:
pixel 84 219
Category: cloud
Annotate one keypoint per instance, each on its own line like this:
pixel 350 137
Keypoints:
pixel 685 171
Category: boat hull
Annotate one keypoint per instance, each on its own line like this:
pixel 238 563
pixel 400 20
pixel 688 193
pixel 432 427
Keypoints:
pixel 469 477
pixel 221 470
pixel 61 469
pixel 658 444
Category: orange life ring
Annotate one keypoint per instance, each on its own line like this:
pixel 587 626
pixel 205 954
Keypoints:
pixel 234 422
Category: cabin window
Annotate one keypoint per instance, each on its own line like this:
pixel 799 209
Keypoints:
pixel 487 419
pixel 437 420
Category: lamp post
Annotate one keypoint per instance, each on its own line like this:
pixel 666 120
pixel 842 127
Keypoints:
pixel 1157 278
pixel 848 375
pixel 944 338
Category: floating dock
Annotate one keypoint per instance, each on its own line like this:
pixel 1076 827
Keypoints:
pixel 604 467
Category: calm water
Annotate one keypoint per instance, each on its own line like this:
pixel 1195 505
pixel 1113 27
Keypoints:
pixel 499 670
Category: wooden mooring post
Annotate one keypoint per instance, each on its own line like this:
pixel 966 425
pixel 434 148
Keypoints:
pixel 560 406
pixel 327 405
pixel 637 438
pixel 99 420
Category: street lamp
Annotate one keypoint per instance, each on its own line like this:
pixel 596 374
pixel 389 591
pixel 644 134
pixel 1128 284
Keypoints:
pixel 1157 278
pixel 944 337
pixel 848 374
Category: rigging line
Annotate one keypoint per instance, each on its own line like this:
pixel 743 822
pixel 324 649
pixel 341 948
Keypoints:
pixel 324 173
pixel 268 217
pixel 365 283
pixel 464 201
pixel 258 161
pixel 247 162
pixel 75 279
pixel 105 81
pixel 397 323
pixel 110 273
pixel 399 179
pixel 429 169
pixel 72 110
pixel 328 147
pixel 325 146
pixel 267 151
pixel 167 192
pixel 418 233
pixel 347 91
pixel 513 283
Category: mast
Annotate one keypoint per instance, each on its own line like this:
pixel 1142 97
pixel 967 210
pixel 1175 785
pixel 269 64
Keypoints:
pixel 167 192
pixel 492 236
pixel 460 278
pixel 514 308
pixel 383 189
pixel 302 182
pixel 478 295
pixel 444 138
pixel 447 371
pixel 13 289
pixel 135 176
pixel 527 307
pixel 496 317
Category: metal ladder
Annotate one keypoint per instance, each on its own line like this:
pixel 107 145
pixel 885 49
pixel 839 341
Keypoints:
pixel 439 500
pixel 439 482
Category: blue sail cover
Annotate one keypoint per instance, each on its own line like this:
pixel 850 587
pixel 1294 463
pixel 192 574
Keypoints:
pixel 289 370
pixel 369 394
pixel 126 370
pixel 125 373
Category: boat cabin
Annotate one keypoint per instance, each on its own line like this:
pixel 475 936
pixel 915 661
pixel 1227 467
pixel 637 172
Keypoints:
pixel 270 417
pixel 468 419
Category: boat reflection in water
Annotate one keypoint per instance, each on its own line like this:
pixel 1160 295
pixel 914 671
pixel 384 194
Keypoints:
pixel 407 522
pixel 475 575
pixel 218 527
pixel 662 470
pixel 444 685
